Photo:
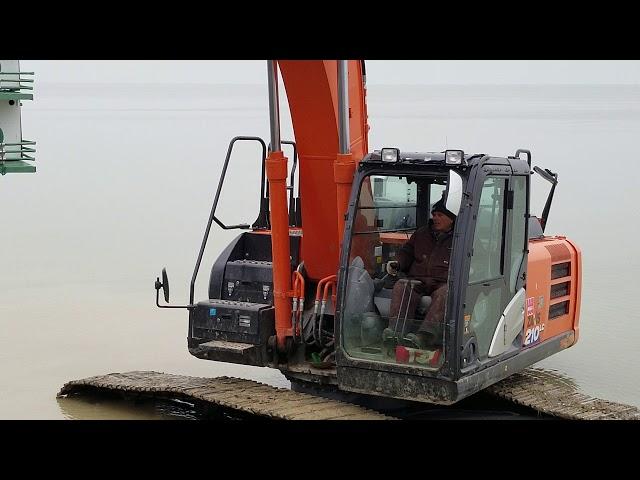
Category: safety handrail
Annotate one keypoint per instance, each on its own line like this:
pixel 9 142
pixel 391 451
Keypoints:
pixel 15 84
pixel 527 152
pixel 212 216
pixel 16 154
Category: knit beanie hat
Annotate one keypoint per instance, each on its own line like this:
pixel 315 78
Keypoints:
pixel 439 207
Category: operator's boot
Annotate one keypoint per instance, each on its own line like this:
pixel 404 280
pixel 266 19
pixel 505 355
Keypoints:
pixel 416 340
pixel 432 334
pixel 389 341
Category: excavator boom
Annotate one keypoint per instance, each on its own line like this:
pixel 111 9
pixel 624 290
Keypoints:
pixel 312 92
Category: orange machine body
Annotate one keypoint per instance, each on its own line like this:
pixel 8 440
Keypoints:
pixel 312 92
pixel 554 283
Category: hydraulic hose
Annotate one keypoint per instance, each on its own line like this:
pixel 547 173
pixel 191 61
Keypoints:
pixel 329 286
pixel 298 303
pixel 294 303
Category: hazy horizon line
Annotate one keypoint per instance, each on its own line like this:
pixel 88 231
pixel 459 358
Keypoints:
pixel 369 84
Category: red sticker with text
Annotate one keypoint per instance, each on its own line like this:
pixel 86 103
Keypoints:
pixel 530 306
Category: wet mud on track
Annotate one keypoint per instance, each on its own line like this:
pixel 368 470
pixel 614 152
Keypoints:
pixel 533 393
pixel 243 398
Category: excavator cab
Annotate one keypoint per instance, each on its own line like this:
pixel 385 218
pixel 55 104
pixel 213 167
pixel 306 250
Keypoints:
pixel 484 335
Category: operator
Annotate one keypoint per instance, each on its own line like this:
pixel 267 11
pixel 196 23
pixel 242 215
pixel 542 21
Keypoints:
pixel 425 260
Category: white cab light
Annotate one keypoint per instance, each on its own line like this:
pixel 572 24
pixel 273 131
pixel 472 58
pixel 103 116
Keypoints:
pixel 390 154
pixel 453 157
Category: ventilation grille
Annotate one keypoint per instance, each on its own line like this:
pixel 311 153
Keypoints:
pixel 559 309
pixel 560 270
pixel 560 289
pixel 558 252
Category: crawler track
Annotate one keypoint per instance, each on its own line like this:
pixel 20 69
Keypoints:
pixel 236 394
pixel 540 390
pixel 556 395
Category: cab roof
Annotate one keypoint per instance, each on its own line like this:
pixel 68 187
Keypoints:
pixel 418 157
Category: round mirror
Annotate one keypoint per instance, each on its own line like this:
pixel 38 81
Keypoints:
pixel 165 285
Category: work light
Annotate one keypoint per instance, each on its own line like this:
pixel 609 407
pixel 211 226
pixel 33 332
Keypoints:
pixel 453 157
pixel 390 154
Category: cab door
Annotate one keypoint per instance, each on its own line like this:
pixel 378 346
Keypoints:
pixel 494 303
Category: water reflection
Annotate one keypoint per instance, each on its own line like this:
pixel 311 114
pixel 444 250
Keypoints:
pixel 93 406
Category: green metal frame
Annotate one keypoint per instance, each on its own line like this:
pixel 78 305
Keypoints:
pixel 16 166
pixel 14 159
pixel 19 91
pixel 4 95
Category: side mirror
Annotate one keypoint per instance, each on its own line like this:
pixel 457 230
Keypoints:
pixel 164 285
pixel 552 178
pixel 453 194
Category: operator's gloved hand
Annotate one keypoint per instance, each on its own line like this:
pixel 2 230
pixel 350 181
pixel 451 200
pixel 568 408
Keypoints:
pixel 392 268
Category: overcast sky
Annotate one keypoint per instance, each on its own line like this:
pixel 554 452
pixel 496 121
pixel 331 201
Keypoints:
pixel 391 72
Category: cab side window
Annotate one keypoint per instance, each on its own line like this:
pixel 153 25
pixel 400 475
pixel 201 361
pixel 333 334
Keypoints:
pixel 518 241
pixel 487 260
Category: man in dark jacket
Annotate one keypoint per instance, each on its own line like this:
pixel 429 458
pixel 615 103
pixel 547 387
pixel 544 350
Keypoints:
pixel 425 260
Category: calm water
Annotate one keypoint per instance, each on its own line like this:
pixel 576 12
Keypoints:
pixel 126 177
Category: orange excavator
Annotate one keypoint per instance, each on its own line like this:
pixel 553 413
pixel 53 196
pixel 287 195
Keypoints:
pixel 305 288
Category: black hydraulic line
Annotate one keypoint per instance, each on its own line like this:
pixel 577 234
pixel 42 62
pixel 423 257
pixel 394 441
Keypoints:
pixel 311 339
pixel 320 327
pixel 314 338
pixel 330 352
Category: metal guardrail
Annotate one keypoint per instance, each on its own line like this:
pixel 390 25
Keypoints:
pixel 17 151
pixel 14 157
pixel 15 83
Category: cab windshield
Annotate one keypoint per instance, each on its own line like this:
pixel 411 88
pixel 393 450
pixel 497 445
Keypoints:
pixel 384 312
